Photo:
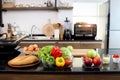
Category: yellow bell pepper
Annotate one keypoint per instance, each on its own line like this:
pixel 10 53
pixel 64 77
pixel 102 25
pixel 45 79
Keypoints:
pixel 60 62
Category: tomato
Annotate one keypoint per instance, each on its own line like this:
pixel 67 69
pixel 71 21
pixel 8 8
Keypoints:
pixel 68 61
pixel 115 55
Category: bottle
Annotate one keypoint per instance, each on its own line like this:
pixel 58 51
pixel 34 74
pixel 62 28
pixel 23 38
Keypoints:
pixel 14 29
pixel 9 31
pixel 67 30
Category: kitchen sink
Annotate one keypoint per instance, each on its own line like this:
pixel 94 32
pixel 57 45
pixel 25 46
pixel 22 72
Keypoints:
pixel 38 38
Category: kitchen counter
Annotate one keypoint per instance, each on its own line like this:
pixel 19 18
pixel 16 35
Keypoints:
pixel 78 44
pixel 39 68
pixel 76 72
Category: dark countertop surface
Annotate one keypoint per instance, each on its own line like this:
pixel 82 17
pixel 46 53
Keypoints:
pixel 59 40
pixel 5 56
pixel 65 40
pixel 28 39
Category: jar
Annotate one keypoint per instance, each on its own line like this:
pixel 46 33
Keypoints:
pixel 9 31
pixel 106 58
pixel 8 3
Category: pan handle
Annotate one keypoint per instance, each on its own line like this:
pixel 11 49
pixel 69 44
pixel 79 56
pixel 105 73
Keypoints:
pixel 20 38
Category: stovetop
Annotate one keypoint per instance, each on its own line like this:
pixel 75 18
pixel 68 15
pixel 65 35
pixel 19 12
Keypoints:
pixel 7 55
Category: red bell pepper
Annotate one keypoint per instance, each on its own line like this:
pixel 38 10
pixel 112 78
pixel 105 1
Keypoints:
pixel 56 52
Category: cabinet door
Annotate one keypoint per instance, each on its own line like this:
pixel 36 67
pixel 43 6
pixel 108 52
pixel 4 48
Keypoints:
pixel 40 43
pixel 114 39
pixel 76 45
pixel 90 45
pixel 115 14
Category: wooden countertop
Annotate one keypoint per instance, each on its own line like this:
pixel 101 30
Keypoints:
pixel 79 52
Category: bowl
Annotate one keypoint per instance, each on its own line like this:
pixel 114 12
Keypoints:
pixel 115 60
pixel 45 65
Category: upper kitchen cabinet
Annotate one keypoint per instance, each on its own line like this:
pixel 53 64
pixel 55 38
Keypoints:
pixel 64 4
pixel 114 15
pixel 36 4
pixel 29 4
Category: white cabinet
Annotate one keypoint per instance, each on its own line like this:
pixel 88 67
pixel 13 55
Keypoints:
pixel 114 14
pixel 114 39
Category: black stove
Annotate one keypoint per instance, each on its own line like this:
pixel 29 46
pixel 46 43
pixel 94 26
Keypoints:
pixel 5 56
pixel 8 54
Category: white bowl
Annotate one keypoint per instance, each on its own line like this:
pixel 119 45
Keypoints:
pixel 115 60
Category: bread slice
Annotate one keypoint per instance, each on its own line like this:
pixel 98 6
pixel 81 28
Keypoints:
pixel 23 60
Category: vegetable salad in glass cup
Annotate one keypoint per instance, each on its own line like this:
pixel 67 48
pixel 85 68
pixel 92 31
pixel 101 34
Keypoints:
pixel 116 58
pixel 54 56
pixel 106 58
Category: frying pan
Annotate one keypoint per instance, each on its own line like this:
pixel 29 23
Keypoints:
pixel 10 44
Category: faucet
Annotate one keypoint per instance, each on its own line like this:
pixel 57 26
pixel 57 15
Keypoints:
pixel 32 28
pixel 31 33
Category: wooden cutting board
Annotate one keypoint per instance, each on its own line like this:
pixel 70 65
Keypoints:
pixel 48 29
pixel 79 52
pixel 23 66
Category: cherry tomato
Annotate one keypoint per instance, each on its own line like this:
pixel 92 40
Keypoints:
pixel 115 55
pixel 68 61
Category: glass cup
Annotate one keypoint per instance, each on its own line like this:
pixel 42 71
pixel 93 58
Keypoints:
pixel 106 58
pixel 106 67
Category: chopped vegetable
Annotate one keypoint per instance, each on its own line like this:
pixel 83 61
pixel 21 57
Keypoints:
pixel 115 55
pixel 44 52
pixel 68 61
pixel 56 52
pixel 50 60
pixel 60 62
pixel 65 52
pixel 53 55
pixel 46 49
pixel 70 48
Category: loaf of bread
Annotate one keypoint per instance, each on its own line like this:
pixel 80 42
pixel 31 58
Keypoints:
pixel 23 60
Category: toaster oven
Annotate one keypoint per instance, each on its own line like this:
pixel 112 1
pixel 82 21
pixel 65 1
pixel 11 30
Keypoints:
pixel 85 31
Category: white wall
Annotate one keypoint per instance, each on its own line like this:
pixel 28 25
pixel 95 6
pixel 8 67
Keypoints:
pixel 26 18
pixel 93 13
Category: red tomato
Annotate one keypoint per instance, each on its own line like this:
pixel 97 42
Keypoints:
pixel 68 61
pixel 115 55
